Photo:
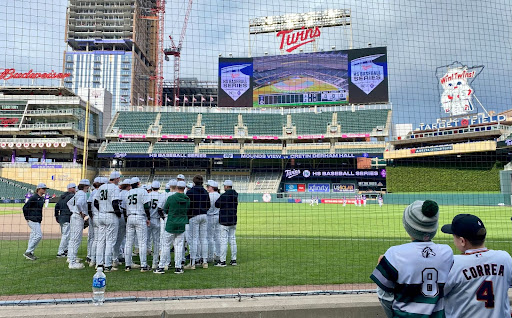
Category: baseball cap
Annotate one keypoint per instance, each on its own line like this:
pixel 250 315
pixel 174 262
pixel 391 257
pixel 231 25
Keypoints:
pixel 115 175
pixel 145 186
pixel 228 183
pixel 173 182
pixel 190 185
pixel 180 176
pixel 209 182
pixel 42 186
pixel 181 184
pixel 167 185
pixel 84 182
pixel 97 179
pixel 126 181
pixel 155 185
pixel 467 226
pixel 134 180
pixel 71 186
pixel 213 184
pixel 103 180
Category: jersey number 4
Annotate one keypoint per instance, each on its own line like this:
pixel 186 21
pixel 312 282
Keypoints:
pixel 132 199
pixel 486 293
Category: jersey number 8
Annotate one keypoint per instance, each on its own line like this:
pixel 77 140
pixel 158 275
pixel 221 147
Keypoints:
pixel 429 288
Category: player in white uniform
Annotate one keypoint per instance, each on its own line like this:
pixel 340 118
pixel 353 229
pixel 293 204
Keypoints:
pixel 213 223
pixel 137 209
pixel 380 200
pixel 344 200
pixel 118 256
pixel 163 198
pixel 106 201
pixel 79 209
pixel 363 198
pixel 93 226
pixel 411 277
pixel 154 226
pixel 480 278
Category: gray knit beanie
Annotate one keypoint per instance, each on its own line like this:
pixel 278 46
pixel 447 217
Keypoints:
pixel 420 219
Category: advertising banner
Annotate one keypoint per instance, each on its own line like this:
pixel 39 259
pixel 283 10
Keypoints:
pixel 319 187
pixel 290 188
pixel 301 187
pixel 321 78
pixel 343 187
pixel 235 82
pixel 310 174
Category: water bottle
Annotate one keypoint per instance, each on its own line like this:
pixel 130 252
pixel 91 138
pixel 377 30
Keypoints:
pixel 99 281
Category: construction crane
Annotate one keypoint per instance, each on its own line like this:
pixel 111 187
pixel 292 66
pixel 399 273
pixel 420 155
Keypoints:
pixel 175 50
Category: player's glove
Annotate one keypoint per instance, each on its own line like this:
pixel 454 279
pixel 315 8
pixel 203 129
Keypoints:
pixel 86 224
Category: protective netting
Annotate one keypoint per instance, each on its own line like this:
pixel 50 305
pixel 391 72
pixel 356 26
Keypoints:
pixel 328 117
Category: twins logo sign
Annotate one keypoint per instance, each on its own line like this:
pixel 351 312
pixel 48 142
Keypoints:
pixel 365 74
pixel 233 81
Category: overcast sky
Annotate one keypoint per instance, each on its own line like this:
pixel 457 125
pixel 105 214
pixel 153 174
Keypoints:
pixel 420 36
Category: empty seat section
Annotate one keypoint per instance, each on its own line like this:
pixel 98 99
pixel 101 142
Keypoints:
pixel 134 122
pixel 264 124
pixel 311 123
pixel 128 147
pixel 220 124
pixel 362 121
pixel 174 147
pixel 177 123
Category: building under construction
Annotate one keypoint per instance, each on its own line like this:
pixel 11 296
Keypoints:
pixel 114 45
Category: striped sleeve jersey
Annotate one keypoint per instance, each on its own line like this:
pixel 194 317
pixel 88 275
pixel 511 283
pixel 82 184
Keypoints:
pixel 478 285
pixel 415 273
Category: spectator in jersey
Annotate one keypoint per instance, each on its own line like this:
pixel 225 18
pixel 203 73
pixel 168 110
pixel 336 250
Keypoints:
pixel 33 213
pixel 63 216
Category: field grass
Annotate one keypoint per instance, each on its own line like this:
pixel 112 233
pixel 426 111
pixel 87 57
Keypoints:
pixel 278 244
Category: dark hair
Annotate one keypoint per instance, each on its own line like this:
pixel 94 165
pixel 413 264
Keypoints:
pixel 96 185
pixel 181 188
pixel 216 189
pixel 135 185
pixel 478 242
pixel 198 180
pixel 155 189
pixel 81 186
pixel 124 186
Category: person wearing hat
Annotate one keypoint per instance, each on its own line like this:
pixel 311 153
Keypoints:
pixel 62 216
pixel 410 277
pixel 154 226
pixel 172 184
pixel 79 209
pixel 106 201
pixel 176 208
pixel 92 235
pixel 213 223
pixel 480 278
pixel 198 223
pixel 118 257
pixel 33 213
pixel 180 177
pixel 137 209
pixel 228 206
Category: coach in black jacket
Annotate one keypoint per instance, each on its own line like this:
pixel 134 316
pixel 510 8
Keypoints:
pixel 228 205
pixel 33 213
pixel 198 222
pixel 62 216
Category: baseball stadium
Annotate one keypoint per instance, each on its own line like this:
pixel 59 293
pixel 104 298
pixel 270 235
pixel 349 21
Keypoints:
pixel 333 128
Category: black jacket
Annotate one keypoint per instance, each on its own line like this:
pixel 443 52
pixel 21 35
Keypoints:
pixel 228 204
pixel 62 212
pixel 199 201
pixel 33 209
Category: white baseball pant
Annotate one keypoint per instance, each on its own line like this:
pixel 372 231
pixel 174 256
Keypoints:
pixel 154 234
pixel 166 261
pixel 75 236
pixel 178 241
pixel 118 250
pixel 136 225
pixel 64 240
pixel 107 236
pixel 213 237
pixel 35 236
pixel 199 227
pixel 90 239
pixel 91 252
pixel 227 233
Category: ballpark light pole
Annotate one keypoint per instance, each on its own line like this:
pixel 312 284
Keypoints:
pixel 296 21
pixel 86 136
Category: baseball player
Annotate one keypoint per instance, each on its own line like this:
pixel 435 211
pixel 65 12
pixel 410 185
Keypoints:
pixel 33 213
pixel 154 226
pixel 410 277
pixel 93 228
pixel 63 216
pixel 213 223
pixel 344 201
pixel 175 208
pixel 106 201
pixel 46 199
pixel 137 209
pixel 163 199
pixel 380 200
pixel 78 206
pixel 228 206
pixel 480 278
pixel 363 198
pixel 119 248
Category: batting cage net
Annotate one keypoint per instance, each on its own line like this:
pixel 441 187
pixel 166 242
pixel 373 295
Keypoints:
pixel 246 147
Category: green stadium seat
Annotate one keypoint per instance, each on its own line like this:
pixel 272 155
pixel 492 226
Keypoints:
pixel 264 124
pixel 127 147
pixel 220 124
pixel 177 123
pixel 362 121
pixel 134 122
pixel 174 147
pixel 311 123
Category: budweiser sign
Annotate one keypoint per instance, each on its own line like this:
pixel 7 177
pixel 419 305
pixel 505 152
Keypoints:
pixel 10 73
pixel 292 39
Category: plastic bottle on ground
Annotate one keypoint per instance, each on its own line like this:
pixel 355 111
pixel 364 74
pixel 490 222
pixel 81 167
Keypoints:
pixel 99 282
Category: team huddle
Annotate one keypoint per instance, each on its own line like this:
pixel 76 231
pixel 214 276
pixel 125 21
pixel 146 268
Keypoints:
pixel 124 215
pixel 424 279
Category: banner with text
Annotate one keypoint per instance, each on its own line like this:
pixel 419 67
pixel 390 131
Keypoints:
pixel 235 82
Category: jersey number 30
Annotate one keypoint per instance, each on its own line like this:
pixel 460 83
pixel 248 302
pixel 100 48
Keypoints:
pixel 429 288
pixel 486 293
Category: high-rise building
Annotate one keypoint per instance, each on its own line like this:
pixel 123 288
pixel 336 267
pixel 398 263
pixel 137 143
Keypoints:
pixel 113 47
